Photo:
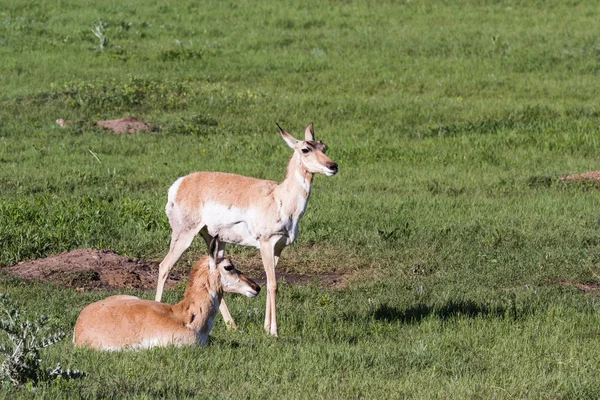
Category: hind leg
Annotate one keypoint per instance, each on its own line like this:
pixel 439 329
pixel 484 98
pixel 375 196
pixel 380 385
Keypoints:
pixel 227 318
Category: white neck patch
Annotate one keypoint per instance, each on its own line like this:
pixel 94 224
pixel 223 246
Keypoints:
pixel 303 182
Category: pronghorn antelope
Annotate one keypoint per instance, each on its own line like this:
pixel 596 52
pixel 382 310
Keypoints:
pixel 128 322
pixel 246 211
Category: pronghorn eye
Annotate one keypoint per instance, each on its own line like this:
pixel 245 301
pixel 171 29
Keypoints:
pixel 228 267
pixel 305 151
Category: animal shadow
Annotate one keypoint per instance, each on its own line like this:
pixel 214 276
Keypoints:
pixel 449 310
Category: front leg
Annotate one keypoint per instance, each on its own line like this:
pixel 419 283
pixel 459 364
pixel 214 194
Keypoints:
pixel 270 252
pixel 180 241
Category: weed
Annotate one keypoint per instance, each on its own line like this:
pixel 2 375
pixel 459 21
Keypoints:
pixel 22 366
pixel 99 31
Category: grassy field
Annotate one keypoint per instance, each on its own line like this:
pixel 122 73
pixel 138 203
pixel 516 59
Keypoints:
pixel 451 122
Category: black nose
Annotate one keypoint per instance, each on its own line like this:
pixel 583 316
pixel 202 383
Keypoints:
pixel 333 167
pixel 257 288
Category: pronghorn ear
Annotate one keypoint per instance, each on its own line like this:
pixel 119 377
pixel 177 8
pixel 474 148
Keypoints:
pixel 309 133
pixel 289 139
pixel 213 254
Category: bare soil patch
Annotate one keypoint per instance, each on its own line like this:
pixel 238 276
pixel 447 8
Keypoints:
pixel 592 288
pixel 125 125
pixel 294 270
pixel 322 280
pixel 586 176
pixel 89 269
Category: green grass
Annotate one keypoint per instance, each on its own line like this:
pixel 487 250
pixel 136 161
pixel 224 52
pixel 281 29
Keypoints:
pixel 451 124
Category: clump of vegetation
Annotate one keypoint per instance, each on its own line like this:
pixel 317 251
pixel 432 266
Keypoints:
pixel 180 53
pixel 99 32
pixel 134 92
pixel 198 125
pixel 23 364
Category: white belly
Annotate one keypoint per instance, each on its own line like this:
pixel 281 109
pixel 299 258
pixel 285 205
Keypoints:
pixel 232 224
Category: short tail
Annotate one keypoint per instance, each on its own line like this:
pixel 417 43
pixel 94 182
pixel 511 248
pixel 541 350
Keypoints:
pixel 172 194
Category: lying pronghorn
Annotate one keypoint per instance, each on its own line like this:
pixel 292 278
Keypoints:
pixel 127 321
pixel 245 211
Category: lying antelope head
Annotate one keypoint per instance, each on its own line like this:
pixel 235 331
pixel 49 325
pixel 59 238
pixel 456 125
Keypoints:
pixel 312 153
pixel 232 280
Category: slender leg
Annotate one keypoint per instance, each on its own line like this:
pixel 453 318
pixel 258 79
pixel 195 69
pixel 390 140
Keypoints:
pixel 221 249
pixel 267 252
pixel 278 250
pixel 268 313
pixel 206 236
pixel 179 243
pixel 227 318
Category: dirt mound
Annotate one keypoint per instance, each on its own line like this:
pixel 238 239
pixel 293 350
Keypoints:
pixel 586 176
pixel 591 288
pixel 87 269
pixel 121 126
pixel 90 269
pixel 125 125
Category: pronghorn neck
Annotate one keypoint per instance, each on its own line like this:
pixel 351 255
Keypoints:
pixel 201 300
pixel 294 191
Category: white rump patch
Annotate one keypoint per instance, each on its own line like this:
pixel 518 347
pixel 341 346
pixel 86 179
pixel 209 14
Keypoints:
pixel 172 194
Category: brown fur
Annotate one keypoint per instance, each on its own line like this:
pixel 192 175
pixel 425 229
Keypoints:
pixel 240 191
pixel 246 211
pixel 229 189
pixel 127 321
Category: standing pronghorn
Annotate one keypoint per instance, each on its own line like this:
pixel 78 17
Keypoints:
pixel 246 211
pixel 129 322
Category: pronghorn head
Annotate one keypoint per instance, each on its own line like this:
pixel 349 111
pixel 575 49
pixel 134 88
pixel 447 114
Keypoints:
pixel 232 280
pixel 312 153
